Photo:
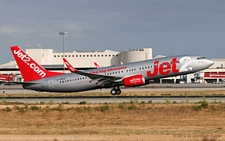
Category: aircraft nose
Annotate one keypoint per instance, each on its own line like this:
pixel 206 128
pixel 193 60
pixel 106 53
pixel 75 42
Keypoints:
pixel 209 62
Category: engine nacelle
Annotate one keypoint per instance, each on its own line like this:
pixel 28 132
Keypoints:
pixel 135 80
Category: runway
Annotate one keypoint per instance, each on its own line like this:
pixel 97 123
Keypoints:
pixel 17 89
pixel 115 99
pixel 121 98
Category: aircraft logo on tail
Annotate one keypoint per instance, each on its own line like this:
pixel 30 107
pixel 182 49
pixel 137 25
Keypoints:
pixel 30 63
pixel 29 68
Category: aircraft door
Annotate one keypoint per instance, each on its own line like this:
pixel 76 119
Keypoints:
pixel 50 84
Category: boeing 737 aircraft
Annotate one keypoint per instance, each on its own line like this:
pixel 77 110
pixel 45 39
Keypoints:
pixel 128 75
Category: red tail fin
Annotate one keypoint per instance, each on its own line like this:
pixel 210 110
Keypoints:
pixel 69 66
pixel 29 69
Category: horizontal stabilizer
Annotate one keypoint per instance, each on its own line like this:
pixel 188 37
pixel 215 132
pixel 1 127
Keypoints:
pixel 15 82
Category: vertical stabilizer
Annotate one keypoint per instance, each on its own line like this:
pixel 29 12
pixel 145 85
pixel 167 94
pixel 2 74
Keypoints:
pixel 29 68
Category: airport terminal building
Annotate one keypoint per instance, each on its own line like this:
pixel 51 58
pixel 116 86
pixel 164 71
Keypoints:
pixel 82 60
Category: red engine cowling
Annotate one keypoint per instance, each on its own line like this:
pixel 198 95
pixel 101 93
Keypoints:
pixel 135 80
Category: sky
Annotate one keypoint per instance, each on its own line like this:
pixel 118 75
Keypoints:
pixel 169 27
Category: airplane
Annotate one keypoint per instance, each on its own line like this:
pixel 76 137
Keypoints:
pixel 129 75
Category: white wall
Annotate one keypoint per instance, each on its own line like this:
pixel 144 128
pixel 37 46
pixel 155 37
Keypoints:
pixel 136 55
pixel 218 63
pixel 87 59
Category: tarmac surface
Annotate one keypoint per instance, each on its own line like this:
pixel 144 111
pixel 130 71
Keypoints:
pixel 14 89
pixel 119 99
pixel 17 89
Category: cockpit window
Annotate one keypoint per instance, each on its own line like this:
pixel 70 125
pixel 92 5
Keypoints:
pixel 200 58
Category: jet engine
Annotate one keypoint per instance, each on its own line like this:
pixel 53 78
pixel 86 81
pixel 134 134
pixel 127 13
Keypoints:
pixel 135 80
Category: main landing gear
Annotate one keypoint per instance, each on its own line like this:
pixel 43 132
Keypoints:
pixel 116 90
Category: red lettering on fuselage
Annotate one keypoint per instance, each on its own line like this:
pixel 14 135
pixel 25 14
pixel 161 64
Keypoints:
pixel 164 68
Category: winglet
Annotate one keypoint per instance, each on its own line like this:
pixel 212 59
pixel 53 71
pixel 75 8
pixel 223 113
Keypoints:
pixel 69 66
pixel 96 65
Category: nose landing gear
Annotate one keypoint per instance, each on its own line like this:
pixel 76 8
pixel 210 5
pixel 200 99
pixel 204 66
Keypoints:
pixel 116 90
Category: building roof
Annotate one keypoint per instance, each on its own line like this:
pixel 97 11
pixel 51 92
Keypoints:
pixel 11 64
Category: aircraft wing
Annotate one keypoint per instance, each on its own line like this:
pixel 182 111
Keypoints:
pixel 95 76
pixel 100 78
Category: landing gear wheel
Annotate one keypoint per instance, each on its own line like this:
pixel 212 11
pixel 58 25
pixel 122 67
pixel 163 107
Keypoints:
pixel 118 92
pixel 116 87
pixel 113 92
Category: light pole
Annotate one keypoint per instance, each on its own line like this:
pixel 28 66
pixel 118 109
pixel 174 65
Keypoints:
pixel 63 34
